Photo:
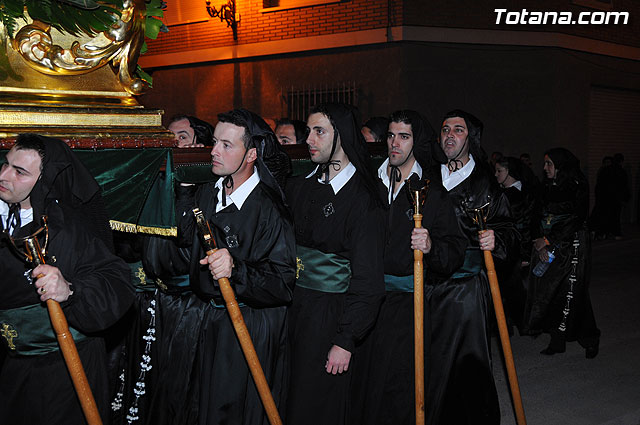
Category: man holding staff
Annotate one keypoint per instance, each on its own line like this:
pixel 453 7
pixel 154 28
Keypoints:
pixel 253 231
pixel 338 220
pixel 42 176
pixel 387 384
pixel 461 388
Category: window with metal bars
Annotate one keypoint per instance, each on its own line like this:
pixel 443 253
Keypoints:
pixel 296 102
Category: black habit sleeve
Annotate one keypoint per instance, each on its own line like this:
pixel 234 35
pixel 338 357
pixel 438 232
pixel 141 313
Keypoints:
pixel 366 289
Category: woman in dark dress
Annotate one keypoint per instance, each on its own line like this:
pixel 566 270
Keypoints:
pixel 558 301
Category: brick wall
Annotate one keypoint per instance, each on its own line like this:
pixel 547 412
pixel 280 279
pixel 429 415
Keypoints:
pixel 256 26
pixel 357 15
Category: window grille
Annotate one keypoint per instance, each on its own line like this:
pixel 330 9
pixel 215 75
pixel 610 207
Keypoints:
pixel 296 102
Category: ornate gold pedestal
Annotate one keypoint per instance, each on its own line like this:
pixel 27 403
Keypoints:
pixel 79 89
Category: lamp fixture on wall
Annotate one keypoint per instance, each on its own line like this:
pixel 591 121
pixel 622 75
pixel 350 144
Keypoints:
pixel 227 13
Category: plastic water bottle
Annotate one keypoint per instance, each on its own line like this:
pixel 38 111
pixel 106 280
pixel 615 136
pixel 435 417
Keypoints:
pixel 542 266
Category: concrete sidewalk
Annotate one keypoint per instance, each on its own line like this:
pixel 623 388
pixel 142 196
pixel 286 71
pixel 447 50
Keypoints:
pixel 568 389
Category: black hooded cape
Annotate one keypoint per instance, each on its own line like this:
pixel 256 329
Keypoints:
pixel 384 377
pixel 461 388
pixel 260 239
pixel 346 224
pixel 559 302
pixel 66 193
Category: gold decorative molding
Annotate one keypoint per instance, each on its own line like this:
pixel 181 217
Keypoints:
pixel 92 118
pixel 120 46
pixel 77 86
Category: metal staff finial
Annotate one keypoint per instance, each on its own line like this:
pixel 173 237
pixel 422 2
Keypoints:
pixel 29 246
pixel 417 193
pixel 479 214
pixel 205 231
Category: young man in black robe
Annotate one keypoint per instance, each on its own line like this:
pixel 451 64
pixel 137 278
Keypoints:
pixel 42 177
pixel 387 381
pixel 460 384
pixel 339 218
pixel 253 231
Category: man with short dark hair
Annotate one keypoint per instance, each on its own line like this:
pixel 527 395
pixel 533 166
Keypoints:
pixel 191 132
pixel 386 387
pixel 291 132
pixel 461 388
pixel 253 231
pixel 338 216
pixel 42 177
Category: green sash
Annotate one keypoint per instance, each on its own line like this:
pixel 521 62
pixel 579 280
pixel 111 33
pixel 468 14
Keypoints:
pixel 321 271
pixel 139 278
pixel 473 260
pixel 143 283
pixel 550 220
pixel 27 331
pixel 398 283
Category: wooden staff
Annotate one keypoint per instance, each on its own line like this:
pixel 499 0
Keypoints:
pixel 418 334
pixel 67 345
pixel 479 218
pixel 240 326
pixel 504 338
pixel 417 195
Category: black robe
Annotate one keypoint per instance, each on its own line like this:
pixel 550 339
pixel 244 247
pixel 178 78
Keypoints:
pixel 37 389
pixel 460 384
pixel 260 239
pixel 384 391
pixel 511 273
pixel 347 224
pixel 562 222
pixel 173 315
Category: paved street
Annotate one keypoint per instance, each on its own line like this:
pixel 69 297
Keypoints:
pixel 567 389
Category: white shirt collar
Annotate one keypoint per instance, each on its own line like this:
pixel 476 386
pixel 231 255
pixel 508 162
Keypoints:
pixel 517 184
pixel 26 216
pixel 382 173
pixel 240 193
pixel 449 181
pixel 339 180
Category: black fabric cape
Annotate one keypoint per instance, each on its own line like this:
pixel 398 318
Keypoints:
pixel 567 201
pixel 347 224
pixel 510 273
pixel 174 315
pixel 384 391
pixel 261 242
pixel 102 294
pixel 460 384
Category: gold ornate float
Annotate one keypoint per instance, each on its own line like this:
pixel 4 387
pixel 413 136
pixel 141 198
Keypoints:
pixel 76 78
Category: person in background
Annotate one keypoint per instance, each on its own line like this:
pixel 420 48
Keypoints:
pixel 495 157
pixel 558 300
pixel 622 191
pixel 375 130
pixel 291 132
pixel 526 159
pixel 511 174
pixel 191 131
pixel 602 220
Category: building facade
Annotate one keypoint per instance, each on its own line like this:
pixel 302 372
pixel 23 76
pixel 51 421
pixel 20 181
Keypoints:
pixel 535 78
